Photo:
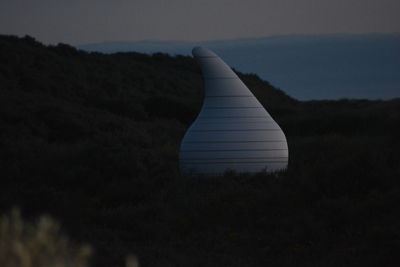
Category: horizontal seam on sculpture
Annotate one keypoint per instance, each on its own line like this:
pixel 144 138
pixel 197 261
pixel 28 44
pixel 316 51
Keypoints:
pixel 231 117
pixel 214 142
pixel 215 96
pixel 234 122
pixel 233 162
pixel 234 150
pixel 240 125
pixel 233 107
pixel 234 130
pixel 190 159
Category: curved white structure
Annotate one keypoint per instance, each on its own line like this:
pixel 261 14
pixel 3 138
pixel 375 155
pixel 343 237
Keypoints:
pixel 233 130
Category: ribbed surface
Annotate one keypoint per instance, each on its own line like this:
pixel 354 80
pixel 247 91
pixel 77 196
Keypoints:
pixel 233 130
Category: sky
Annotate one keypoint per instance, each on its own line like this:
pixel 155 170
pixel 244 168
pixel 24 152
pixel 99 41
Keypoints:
pixel 90 21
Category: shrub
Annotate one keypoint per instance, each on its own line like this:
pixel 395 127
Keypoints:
pixel 24 244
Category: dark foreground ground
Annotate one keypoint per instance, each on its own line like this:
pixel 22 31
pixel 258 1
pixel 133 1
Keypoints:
pixel 93 141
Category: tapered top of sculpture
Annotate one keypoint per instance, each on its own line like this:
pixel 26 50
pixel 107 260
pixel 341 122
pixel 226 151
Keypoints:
pixel 199 51
pixel 211 65
pixel 233 131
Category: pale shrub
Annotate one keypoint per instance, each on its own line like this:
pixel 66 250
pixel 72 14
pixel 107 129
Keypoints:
pixel 41 244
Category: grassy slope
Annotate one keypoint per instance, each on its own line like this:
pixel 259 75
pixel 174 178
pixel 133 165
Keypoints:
pixel 93 140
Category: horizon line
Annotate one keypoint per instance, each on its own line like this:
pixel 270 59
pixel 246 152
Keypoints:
pixel 238 39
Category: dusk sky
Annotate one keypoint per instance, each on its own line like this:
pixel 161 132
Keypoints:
pixel 89 21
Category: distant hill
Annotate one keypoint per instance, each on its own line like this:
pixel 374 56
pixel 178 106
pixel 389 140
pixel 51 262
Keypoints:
pixel 305 66
pixel 122 83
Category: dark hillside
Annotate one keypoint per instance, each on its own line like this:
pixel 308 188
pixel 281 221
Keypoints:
pixel 93 140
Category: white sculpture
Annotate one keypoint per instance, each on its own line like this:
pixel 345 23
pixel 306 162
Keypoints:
pixel 233 130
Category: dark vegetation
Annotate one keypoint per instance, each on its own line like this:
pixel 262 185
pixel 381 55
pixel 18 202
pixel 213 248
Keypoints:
pixel 93 140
